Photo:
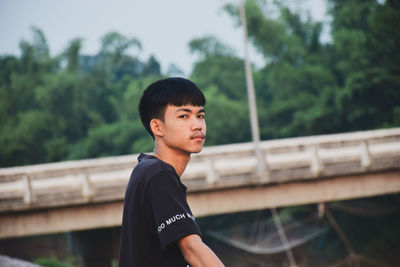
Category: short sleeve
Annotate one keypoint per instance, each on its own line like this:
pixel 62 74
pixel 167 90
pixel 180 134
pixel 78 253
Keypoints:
pixel 172 215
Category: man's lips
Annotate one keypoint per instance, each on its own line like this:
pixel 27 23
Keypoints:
pixel 198 136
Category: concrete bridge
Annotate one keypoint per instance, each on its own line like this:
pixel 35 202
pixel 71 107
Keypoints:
pixel 87 194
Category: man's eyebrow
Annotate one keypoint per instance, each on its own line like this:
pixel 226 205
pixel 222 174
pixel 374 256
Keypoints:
pixel 189 110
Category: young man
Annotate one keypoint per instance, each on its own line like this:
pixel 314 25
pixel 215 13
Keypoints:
pixel 158 228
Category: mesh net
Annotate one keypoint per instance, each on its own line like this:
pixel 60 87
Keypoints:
pixel 261 236
pixel 361 232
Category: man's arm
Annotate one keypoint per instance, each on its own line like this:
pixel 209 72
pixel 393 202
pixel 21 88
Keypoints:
pixel 198 254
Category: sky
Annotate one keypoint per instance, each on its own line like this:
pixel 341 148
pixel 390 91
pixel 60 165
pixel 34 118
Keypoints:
pixel 164 27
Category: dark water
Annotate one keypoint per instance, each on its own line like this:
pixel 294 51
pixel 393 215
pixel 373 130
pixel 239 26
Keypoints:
pixel 363 232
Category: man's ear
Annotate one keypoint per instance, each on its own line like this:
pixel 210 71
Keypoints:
pixel 156 126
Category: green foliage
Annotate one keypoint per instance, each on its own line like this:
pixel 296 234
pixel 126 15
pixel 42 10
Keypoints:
pixel 54 262
pixel 209 46
pixel 296 77
pixel 72 106
pixel 72 55
pixel 307 87
pixel 221 76
pixel 227 119
pixel 367 42
pixel 218 67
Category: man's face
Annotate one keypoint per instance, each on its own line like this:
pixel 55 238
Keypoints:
pixel 184 128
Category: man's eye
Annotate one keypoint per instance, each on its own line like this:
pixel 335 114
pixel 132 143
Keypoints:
pixel 184 116
pixel 201 116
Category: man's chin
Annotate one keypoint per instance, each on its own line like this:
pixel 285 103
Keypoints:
pixel 196 150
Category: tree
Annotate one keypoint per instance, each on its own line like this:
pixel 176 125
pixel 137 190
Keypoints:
pixel 71 106
pixel 218 66
pixel 367 40
pixel 296 75
pixel 220 74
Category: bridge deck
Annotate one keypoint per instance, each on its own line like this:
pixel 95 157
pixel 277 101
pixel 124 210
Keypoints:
pixel 219 167
pixel 299 170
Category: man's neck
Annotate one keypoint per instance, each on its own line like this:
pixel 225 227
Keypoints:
pixel 176 159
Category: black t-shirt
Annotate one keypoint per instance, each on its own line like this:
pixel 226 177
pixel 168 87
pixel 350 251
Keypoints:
pixel 156 215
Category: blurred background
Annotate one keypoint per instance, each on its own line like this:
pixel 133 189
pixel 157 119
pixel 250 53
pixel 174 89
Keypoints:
pixel 72 72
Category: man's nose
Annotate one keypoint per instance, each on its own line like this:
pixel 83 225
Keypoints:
pixel 197 124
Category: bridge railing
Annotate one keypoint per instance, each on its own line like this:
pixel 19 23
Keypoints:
pixel 105 179
pixel 298 158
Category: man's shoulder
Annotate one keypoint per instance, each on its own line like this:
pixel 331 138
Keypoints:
pixel 150 167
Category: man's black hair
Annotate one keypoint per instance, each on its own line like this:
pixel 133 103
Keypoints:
pixel 170 91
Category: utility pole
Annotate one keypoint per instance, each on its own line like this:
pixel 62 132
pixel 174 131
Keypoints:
pixel 262 171
pixel 261 168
